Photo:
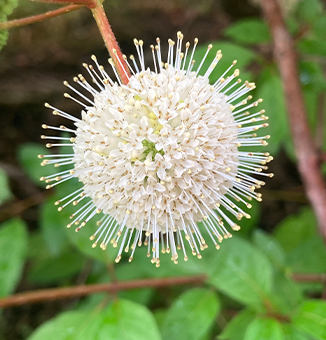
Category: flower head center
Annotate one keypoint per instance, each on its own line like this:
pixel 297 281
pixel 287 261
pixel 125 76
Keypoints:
pixel 150 147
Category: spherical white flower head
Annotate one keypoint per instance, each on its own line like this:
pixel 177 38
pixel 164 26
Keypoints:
pixel 160 154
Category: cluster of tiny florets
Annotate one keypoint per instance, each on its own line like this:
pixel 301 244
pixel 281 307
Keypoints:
pixel 161 153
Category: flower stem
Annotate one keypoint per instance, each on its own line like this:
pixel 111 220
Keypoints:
pixel 88 3
pixel 37 18
pixel 111 42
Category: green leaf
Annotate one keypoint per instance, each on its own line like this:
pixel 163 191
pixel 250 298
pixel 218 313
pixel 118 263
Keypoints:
pixel 264 328
pixel 128 320
pixel 311 317
pixel 5 192
pixel 191 315
pixel 236 328
pixel 160 315
pixel 121 320
pixel 312 77
pixel 28 157
pixel 268 245
pixel 292 25
pixel 309 256
pixel 312 46
pixel 70 326
pixel 54 269
pixel 286 295
pixel 53 230
pixel 270 90
pixel 249 31
pixel 319 26
pixel 13 247
pixel 235 275
pixel 230 53
pixel 309 10
pixel 6 8
pixel 37 248
pixel 295 229
pixel 292 333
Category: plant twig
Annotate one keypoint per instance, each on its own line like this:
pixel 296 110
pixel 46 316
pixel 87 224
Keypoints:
pixel 319 278
pixel 82 290
pixel 88 3
pixel 111 42
pixel 307 153
pixel 37 18
pixel 17 207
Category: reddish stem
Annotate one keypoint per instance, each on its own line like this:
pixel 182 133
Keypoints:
pixel 307 153
pixel 111 42
pixel 82 290
pixel 88 3
pixel 309 277
pixel 37 18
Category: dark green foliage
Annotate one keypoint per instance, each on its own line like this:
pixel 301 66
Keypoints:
pixel 121 320
pixel 249 31
pixel 13 246
pixel 191 315
pixel 6 8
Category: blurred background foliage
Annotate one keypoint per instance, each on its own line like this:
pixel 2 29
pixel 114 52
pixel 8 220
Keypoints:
pixel 250 292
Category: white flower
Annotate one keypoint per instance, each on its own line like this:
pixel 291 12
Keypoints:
pixel 161 154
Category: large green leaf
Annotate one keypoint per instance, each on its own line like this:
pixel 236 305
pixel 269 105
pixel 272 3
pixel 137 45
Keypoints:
pixel 287 294
pixel 6 8
pixel 293 333
pixel 249 31
pixel 53 229
pixel 309 256
pixel 54 269
pixel 312 46
pixel 191 315
pixel 121 320
pixel 319 26
pixel 242 272
pixel 270 89
pixel 268 245
pixel 305 251
pixel 127 320
pixel 311 317
pixel 295 229
pixel 309 10
pixel 13 246
pixel 236 328
pixel 74 325
pixel 264 328
pixel 312 77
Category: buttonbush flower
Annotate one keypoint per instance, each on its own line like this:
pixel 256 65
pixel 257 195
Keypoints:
pixel 161 153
